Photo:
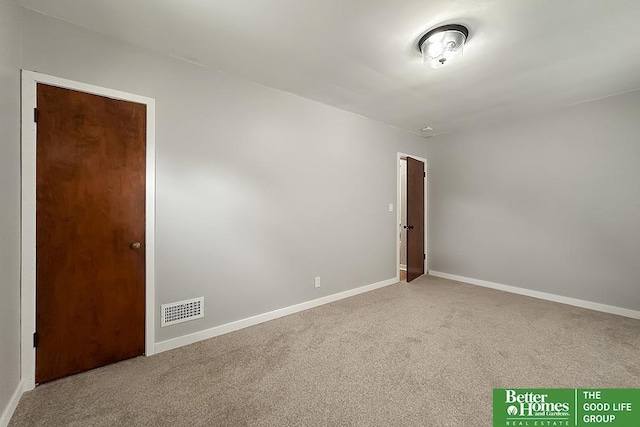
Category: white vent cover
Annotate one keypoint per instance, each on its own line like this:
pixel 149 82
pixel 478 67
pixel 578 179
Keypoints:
pixel 182 311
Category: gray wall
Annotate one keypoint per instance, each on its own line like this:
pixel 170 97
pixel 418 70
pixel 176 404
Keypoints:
pixel 9 200
pixel 550 204
pixel 258 191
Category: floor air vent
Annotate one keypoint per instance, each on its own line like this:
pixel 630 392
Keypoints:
pixel 182 311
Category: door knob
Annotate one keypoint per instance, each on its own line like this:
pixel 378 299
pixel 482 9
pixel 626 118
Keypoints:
pixel 135 245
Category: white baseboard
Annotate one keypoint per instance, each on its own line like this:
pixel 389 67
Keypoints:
pixel 542 295
pixel 12 405
pixel 260 318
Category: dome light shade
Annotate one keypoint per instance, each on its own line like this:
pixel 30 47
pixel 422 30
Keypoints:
pixel 442 45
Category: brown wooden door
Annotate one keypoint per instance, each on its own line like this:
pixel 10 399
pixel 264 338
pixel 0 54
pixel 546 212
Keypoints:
pixel 415 218
pixel 90 208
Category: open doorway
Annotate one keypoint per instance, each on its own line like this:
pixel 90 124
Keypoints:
pixel 411 217
pixel 402 213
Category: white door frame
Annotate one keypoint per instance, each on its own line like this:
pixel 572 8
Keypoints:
pixel 398 210
pixel 30 80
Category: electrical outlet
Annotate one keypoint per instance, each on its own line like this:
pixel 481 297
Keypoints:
pixel 317 282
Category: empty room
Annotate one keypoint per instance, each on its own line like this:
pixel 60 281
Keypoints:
pixel 319 213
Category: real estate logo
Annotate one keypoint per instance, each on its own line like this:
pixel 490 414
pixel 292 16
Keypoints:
pixel 553 407
pixel 566 407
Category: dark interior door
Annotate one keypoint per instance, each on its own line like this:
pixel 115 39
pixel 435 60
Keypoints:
pixel 415 218
pixel 90 231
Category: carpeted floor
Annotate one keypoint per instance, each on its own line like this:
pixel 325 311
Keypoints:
pixel 421 354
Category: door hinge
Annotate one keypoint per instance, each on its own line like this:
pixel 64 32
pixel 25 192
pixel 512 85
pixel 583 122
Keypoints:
pixel 35 339
pixel 425 174
pixel 424 256
pixel 35 115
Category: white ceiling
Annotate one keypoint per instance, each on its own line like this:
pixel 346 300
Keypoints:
pixel 523 56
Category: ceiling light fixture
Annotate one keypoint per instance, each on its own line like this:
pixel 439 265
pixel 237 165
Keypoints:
pixel 428 128
pixel 442 45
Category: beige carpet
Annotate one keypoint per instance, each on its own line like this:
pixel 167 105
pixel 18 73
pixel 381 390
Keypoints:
pixel 421 354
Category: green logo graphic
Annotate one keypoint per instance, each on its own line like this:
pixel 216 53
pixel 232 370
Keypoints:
pixel 566 407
